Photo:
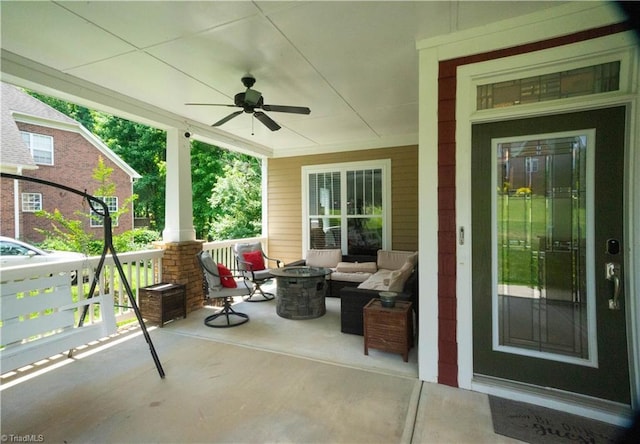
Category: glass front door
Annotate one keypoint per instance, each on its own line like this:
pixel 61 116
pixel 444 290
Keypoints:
pixel 548 211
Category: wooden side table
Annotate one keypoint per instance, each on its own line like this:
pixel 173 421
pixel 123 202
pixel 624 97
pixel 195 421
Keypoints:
pixel 163 302
pixel 388 329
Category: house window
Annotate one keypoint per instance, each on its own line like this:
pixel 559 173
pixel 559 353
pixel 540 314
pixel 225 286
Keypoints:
pixel 347 206
pixel 112 205
pixel 41 147
pixel 31 202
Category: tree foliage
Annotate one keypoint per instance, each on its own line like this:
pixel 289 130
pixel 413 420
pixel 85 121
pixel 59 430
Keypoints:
pixel 226 185
pixel 236 201
pixel 71 234
pixel 143 148
pixel 78 113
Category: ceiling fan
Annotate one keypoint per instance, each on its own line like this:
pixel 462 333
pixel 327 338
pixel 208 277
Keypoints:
pixel 250 101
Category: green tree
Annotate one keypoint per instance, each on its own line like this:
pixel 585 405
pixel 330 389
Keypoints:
pixel 78 113
pixel 236 200
pixel 143 148
pixel 106 188
pixel 69 234
pixel 207 166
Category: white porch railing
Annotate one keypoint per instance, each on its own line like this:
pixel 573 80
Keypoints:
pixel 47 289
pixel 41 304
pixel 141 268
pixel 222 251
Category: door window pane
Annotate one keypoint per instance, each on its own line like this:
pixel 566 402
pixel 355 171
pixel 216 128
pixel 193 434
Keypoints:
pixel 541 245
pixel 594 79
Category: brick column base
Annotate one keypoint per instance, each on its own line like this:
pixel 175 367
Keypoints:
pixel 180 266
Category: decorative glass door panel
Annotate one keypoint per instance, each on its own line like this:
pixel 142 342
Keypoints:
pixel 542 199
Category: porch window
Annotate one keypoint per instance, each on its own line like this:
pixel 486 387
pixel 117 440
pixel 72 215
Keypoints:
pixel 41 147
pixel 112 204
pixel 31 202
pixel 347 206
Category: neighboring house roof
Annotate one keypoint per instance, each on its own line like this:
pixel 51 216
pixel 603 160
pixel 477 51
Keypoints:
pixel 14 153
pixel 18 106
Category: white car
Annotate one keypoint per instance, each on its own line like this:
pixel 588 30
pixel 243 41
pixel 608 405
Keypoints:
pixel 14 252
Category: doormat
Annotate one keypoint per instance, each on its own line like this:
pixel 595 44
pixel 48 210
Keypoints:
pixel 540 425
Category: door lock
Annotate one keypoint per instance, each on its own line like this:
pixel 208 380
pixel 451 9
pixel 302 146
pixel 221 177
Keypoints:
pixel 612 273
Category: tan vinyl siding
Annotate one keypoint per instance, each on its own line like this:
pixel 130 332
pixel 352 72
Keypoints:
pixel 284 182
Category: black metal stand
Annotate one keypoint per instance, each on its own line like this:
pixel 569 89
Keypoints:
pixel 108 247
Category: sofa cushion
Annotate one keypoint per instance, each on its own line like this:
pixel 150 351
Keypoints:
pixel 349 277
pixel 395 259
pixel 323 258
pixel 378 281
pixel 397 278
pixel 356 267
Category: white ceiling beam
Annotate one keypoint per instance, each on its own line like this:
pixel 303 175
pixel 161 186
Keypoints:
pixel 43 79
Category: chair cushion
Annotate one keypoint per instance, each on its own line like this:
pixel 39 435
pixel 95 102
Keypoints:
pixel 260 275
pixel 226 278
pixel 210 268
pixel 255 259
pixel 323 258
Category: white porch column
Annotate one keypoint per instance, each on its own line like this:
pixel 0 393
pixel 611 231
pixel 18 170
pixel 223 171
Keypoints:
pixel 178 225
pixel 428 217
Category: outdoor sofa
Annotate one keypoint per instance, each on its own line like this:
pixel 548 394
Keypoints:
pixel 358 279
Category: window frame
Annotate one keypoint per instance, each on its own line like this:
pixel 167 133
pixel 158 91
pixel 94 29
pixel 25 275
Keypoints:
pixel 30 201
pixel 383 164
pixel 95 221
pixel 29 143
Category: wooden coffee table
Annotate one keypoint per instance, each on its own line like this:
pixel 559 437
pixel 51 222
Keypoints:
pixel 388 329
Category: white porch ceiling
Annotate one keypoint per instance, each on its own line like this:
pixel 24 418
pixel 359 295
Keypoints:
pixel 354 64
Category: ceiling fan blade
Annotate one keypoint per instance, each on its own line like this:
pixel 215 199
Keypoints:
pixel 210 104
pixel 267 121
pixel 229 117
pixel 287 109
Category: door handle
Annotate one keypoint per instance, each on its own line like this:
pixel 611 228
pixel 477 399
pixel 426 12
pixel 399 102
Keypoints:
pixel 612 273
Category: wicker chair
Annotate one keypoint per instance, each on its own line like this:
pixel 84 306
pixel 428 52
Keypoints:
pixel 258 274
pixel 213 288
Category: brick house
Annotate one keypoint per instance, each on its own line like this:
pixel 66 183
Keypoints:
pixel 40 142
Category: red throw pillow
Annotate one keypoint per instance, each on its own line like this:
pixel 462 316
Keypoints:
pixel 255 259
pixel 226 278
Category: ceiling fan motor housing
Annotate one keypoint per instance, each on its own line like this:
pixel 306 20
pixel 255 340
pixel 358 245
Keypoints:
pixel 248 81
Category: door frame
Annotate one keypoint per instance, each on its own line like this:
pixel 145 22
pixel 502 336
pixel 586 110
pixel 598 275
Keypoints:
pixel 615 47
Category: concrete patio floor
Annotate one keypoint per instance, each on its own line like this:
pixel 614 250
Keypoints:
pixel 230 385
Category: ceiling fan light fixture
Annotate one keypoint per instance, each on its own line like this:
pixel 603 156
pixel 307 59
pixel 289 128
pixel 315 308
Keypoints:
pixel 252 97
